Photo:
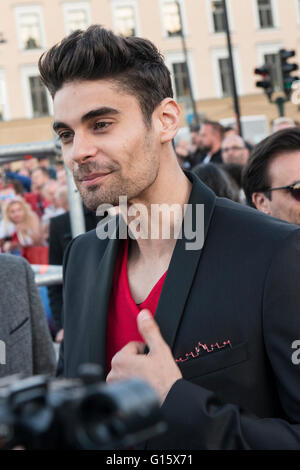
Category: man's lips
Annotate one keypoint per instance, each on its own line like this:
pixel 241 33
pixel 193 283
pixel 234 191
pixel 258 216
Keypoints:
pixel 92 178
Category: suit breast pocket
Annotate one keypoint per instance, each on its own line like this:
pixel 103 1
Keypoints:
pixel 20 332
pixel 19 348
pixel 215 361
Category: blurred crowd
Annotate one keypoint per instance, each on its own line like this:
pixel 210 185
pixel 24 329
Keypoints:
pixel 29 197
pixel 221 157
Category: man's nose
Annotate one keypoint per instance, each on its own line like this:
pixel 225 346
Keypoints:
pixel 83 148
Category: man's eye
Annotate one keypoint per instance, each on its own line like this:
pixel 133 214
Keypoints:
pixel 64 136
pixel 102 125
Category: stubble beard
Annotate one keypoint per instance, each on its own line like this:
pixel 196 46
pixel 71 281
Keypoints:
pixel 116 185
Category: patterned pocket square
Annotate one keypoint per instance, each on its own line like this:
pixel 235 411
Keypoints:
pixel 202 349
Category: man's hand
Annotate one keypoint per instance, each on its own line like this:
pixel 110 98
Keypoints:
pixel 59 336
pixel 158 367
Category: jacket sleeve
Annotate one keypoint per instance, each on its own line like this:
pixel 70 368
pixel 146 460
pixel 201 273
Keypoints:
pixel 44 361
pixel 197 419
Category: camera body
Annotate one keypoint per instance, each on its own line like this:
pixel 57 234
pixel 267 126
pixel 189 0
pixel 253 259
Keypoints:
pixel 83 413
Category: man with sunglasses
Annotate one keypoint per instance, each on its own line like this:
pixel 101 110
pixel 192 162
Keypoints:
pixel 271 178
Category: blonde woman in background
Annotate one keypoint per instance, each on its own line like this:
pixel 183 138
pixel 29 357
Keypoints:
pixel 28 234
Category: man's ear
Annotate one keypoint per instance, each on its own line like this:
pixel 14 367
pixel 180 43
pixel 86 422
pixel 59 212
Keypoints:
pixel 262 203
pixel 168 115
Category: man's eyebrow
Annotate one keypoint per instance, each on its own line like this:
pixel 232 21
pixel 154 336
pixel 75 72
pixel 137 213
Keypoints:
pixel 103 111
pixel 59 125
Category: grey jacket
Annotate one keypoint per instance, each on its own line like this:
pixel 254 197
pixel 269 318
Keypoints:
pixel 25 341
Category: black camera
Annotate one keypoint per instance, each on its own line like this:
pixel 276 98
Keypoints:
pixel 84 413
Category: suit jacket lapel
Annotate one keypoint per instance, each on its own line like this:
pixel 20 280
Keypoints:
pixel 183 267
pixel 99 303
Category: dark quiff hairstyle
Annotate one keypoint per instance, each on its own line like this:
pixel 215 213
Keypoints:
pixel 135 64
pixel 255 174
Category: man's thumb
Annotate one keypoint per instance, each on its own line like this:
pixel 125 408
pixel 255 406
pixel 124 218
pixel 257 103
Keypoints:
pixel 149 330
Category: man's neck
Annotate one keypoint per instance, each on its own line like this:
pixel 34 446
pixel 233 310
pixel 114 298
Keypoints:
pixel 172 190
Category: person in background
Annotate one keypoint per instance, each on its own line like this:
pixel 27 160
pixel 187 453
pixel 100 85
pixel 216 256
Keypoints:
pixel 50 193
pixel 218 180
pixel 25 338
pixel 16 176
pixel 28 235
pixel 271 178
pixel 211 136
pixel 7 229
pixel 197 151
pixel 28 164
pixel 40 176
pixel 44 163
pixel 282 123
pixel 61 177
pixel 228 130
pixel 234 150
pixel 184 153
pixel 7 191
pixel 58 204
pixel 62 199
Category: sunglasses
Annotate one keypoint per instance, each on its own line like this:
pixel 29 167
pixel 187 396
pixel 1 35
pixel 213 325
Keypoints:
pixel 294 190
pixel 3 197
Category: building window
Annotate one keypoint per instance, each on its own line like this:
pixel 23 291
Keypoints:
pixel 38 96
pixel 125 20
pixel 180 75
pixel 30 30
pixel 172 18
pixel 265 14
pixel 225 76
pixel 77 19
pixel 3 98
pixel 218 16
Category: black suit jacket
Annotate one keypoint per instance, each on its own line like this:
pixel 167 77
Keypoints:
pixel 60 235
pixel 216 157
pixel 242 293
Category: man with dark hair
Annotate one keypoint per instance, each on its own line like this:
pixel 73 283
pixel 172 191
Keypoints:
pixel 271 178
pixel 211 136
pixel 219 351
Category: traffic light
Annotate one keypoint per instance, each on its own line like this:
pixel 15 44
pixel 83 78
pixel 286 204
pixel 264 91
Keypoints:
pixel 266 82
pixel 286 70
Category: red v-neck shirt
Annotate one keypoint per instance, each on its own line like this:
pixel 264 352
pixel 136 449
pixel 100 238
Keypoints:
pixel 123 311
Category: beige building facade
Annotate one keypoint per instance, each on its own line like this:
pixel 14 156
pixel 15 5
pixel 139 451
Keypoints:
pixel 259 29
